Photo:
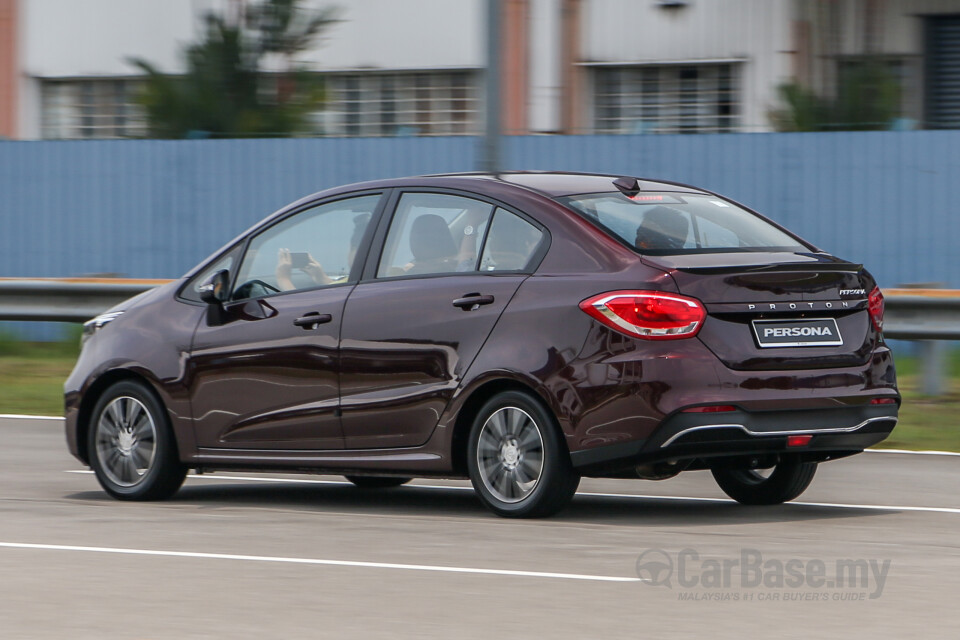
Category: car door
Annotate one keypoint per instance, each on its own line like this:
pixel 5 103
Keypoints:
pixel 263 369
pixel 446 272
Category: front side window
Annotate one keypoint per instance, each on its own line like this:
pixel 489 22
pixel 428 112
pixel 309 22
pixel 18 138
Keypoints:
pixel 314 248
pixel 434 233
pixel 670 223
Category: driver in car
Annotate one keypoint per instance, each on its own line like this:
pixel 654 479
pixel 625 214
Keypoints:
pixel 284 271
pixel 313 268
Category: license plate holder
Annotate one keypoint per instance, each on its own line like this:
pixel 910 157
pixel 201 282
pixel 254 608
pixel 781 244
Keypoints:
pixel 798 332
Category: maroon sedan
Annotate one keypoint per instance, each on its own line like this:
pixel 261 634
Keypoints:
pixel 519 329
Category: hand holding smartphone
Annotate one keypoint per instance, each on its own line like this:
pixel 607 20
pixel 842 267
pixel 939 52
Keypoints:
pixel 299 260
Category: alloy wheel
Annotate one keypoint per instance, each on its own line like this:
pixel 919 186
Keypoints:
pixel 510 454
pixel 126 441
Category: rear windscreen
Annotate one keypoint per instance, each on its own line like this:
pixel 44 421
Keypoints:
pixel 669 223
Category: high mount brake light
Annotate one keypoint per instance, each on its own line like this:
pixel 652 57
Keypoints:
pixel 651 315
pixel 875 307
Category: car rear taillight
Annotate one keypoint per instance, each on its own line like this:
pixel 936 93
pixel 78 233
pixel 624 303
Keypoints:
pixel 651 315
pixel 883 401
pixel 875 306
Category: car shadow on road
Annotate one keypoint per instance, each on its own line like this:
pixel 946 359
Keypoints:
pixel 657 511
pixel 458 502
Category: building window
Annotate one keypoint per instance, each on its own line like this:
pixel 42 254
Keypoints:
pixel 362 104
pixel 103 108
pixel 666 99
pixel 942 89
pixel 395 104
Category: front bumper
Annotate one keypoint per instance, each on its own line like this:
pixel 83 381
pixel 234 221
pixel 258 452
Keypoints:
pixel 703 436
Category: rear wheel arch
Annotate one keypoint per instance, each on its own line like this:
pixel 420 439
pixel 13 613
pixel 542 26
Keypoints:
pixel 475 401
pixel 93 394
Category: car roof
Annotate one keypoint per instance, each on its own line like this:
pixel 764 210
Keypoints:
pixel 556 183
pixel 549 183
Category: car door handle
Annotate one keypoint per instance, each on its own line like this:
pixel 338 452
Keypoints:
pixel 313 320
pixel 471 301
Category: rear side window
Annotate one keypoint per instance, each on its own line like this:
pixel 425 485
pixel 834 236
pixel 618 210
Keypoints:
pixel 434 233
pixel 511 243
pixel 671 223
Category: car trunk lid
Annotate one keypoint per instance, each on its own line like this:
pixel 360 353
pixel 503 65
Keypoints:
pixel 777 310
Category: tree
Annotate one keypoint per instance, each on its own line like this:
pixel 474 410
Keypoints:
pixel 227 90
pixel 868 99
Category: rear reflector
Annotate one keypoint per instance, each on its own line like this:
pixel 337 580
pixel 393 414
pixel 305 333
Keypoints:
pixel 652 315
pixel 712 408
pixel 883 401
pixel 798 441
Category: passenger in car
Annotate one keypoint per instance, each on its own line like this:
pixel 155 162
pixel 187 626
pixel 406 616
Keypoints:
pixel 662 228
pixel 433 247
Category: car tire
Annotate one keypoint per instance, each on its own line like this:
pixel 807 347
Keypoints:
pixel 131 446
pixel 517 460
pixel 377 482
pixel 788 480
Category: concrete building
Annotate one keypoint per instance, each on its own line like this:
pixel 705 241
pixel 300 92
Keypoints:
pixel 415 67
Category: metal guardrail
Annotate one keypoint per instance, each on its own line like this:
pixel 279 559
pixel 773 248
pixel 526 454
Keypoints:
pixel 927 315
pixel 911 314
pixel 922 314
pixel 65 299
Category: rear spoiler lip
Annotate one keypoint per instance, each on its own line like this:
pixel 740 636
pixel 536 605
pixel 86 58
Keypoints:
pixel 772 268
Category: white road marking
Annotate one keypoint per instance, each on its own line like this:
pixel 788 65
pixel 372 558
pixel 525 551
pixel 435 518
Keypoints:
pixel 319 561
pixel 833 505
pixel 919 453
pixel 905 451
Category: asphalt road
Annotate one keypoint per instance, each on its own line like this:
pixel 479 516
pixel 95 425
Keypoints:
pixel 313 557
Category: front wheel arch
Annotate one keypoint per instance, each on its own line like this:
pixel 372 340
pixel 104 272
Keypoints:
pixel 92 396
pixel 132 447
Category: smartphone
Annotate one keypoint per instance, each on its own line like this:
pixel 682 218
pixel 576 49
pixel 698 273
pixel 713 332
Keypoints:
pixel 299 260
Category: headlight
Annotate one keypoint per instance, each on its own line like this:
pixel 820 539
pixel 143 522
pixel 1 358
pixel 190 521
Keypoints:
pixel 90 327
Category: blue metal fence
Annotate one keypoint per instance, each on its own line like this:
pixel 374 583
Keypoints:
pixel 152 208
pixel 881 198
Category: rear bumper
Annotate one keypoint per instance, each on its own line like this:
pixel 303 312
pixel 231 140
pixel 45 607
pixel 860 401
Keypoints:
pixel 684 436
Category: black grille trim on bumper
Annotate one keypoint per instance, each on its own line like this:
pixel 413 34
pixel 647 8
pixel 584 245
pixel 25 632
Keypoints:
pixel 840 431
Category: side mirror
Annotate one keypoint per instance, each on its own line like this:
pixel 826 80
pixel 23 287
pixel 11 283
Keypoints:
pixel 215 290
